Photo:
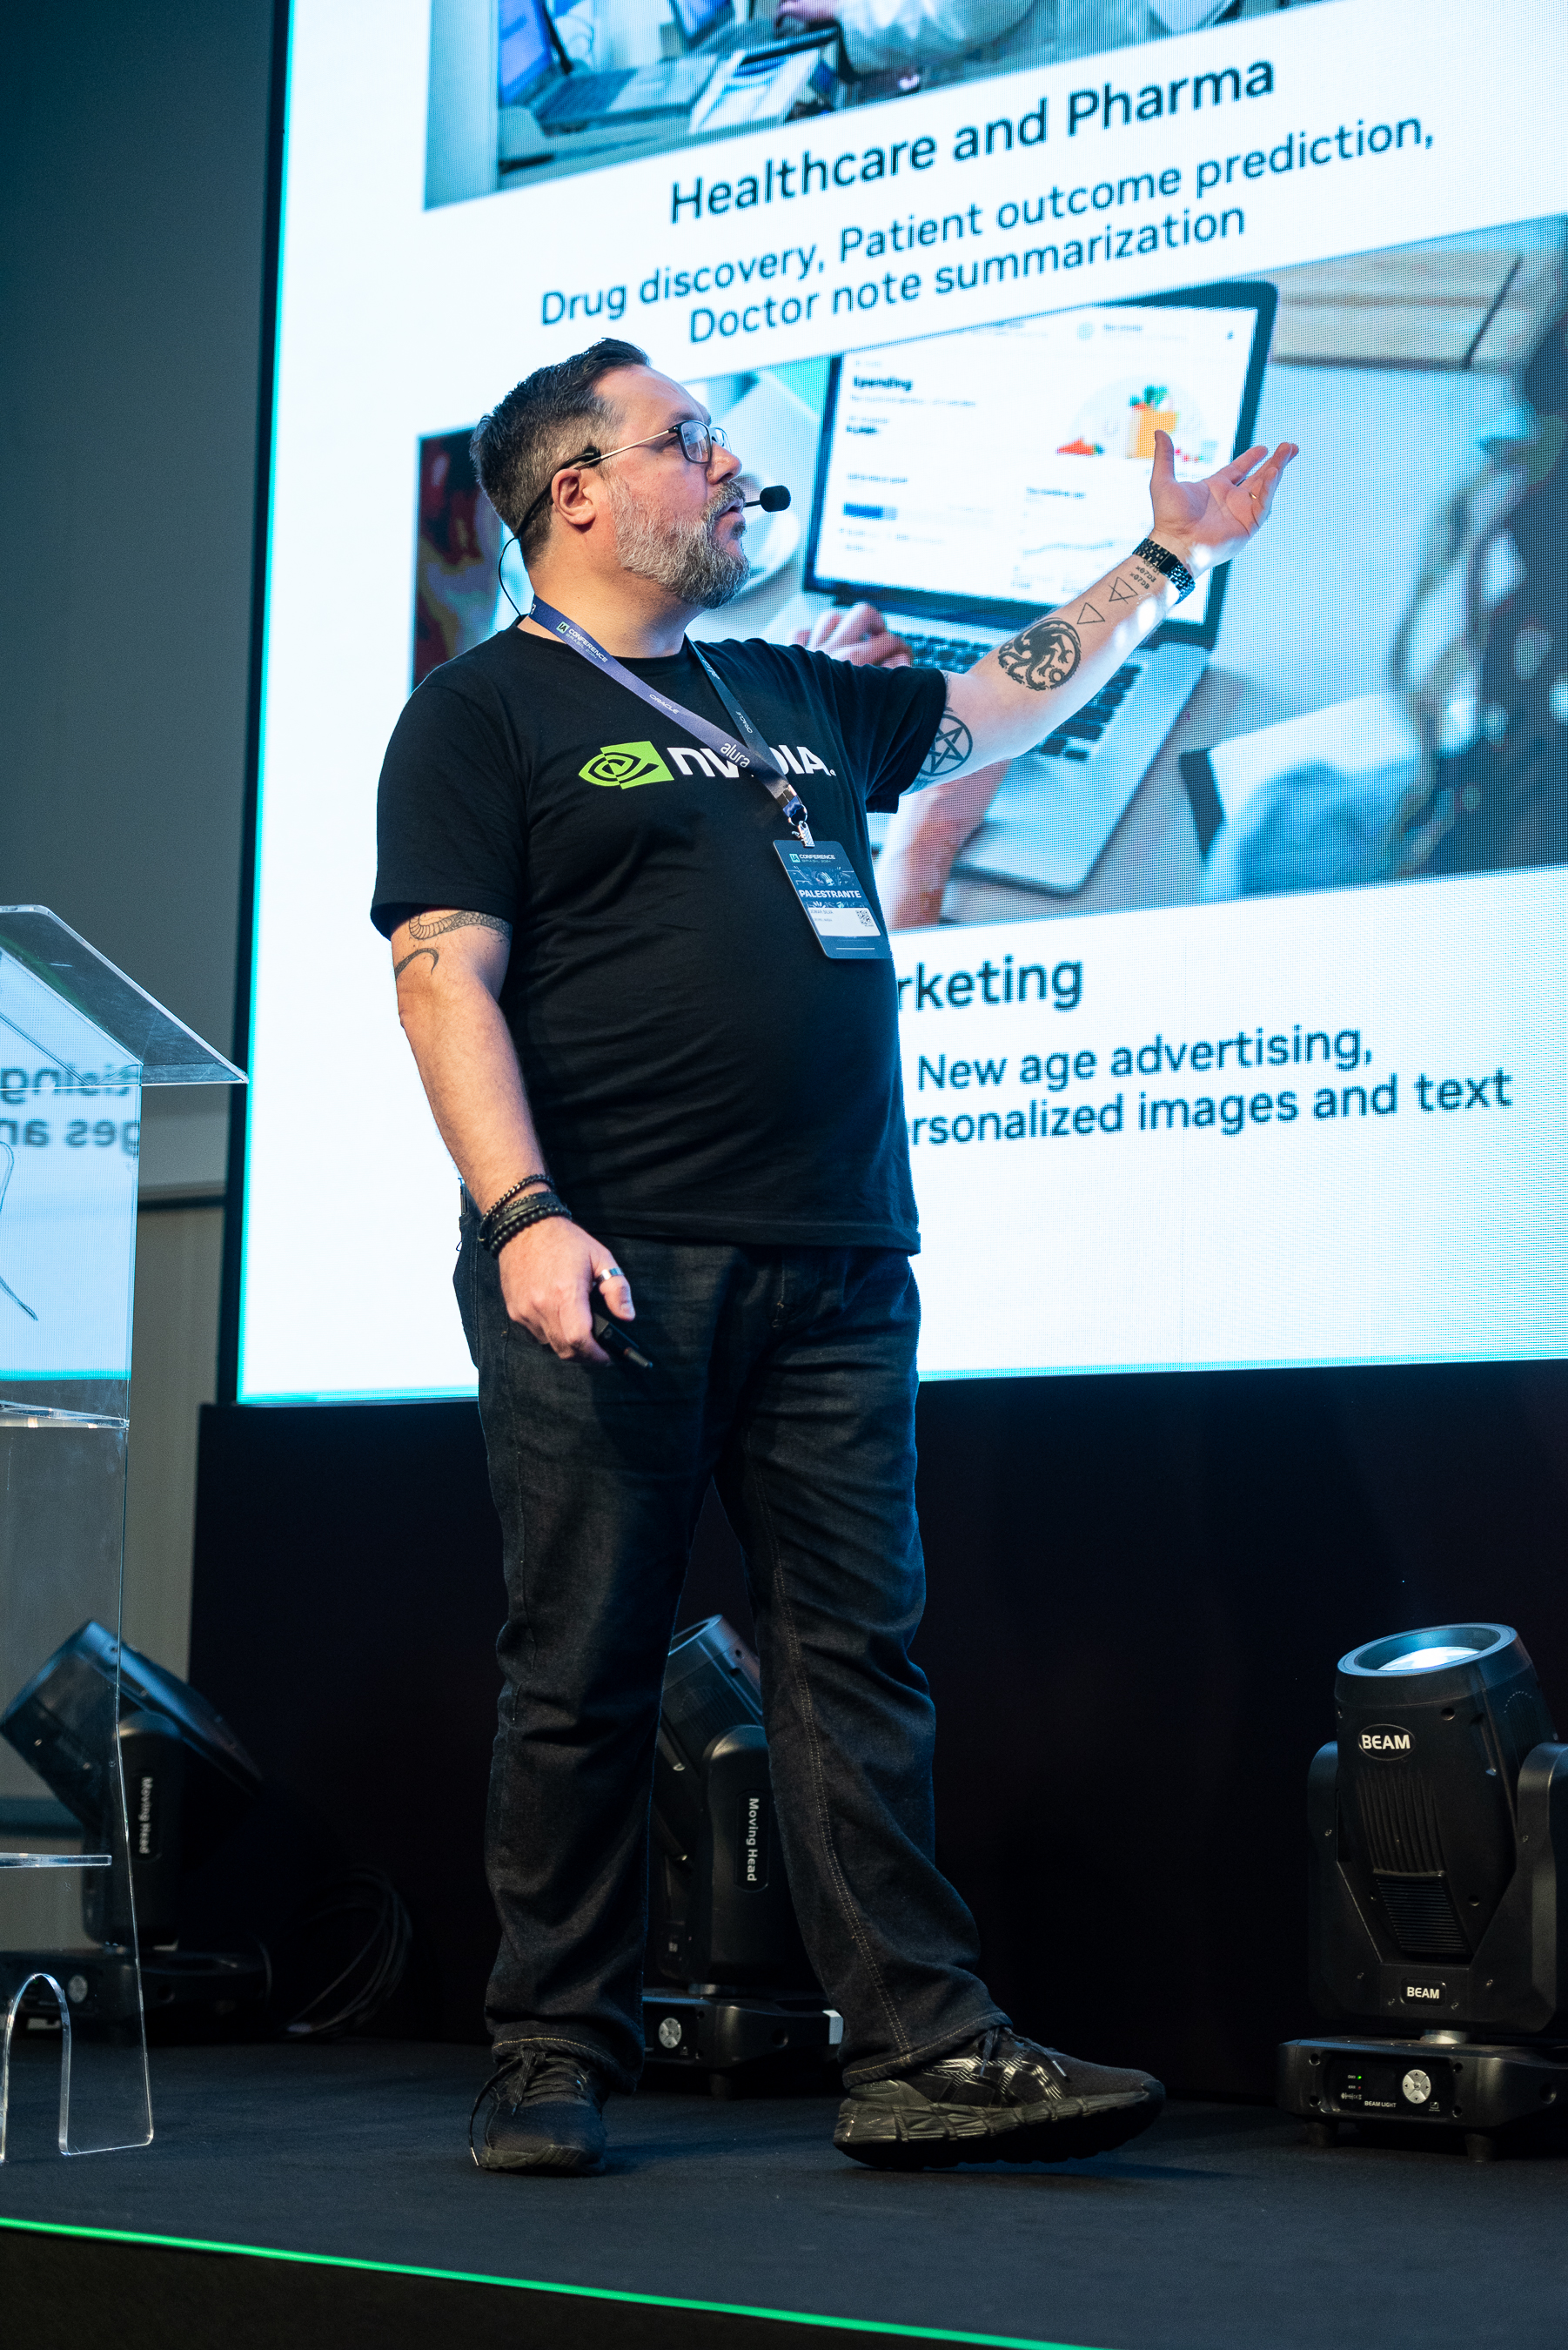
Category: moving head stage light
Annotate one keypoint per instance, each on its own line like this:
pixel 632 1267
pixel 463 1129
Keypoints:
pixel 187 1778
pixel 1439 1898
pixel 723 1925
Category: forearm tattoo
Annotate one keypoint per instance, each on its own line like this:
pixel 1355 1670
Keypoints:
pixel 434 926
pixel 1137 581
pixel 949 748
pixel 1042 657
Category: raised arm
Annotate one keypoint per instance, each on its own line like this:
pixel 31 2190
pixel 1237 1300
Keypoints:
pixel 1016 695
pixel 448 967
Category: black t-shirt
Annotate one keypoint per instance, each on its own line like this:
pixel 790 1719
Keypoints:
pixel 698 1067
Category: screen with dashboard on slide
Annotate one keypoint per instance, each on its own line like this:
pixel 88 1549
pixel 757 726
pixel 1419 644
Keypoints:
pixel 1234 1015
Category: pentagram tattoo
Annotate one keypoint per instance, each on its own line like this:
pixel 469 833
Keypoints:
pixel 1043 657
pixel 949 751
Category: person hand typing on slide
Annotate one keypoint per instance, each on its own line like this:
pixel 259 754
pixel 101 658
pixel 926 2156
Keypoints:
pixel 859 635
pixel 790 14
pixel 975 35
pixel 1015 697
pixel 450 966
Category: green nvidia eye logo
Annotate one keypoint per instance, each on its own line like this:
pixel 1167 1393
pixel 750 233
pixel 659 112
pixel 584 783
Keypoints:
pixel 625 764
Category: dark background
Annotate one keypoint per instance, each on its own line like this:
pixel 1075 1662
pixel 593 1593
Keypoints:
pixel 1139 1589
pixel 133 186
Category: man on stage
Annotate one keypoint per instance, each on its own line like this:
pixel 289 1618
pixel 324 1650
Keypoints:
pixel 658 1027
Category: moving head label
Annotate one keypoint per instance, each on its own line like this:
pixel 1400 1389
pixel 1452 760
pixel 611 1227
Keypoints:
pixel 751 1850
pixel 1387 1740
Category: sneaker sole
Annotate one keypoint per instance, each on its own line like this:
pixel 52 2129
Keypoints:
pixel 550 2161
pixel 927 2136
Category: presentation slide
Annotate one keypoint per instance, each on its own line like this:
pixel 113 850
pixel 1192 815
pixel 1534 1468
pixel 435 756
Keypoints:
pixel 1029 518
pixel 1234 1015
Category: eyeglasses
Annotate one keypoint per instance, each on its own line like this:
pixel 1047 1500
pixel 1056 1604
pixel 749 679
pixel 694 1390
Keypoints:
pixel 698 442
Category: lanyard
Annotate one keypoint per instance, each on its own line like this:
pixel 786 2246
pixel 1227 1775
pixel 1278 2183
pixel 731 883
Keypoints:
pixel 750 752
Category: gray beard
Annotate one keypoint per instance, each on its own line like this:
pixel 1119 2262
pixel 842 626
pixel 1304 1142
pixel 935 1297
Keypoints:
pixel 685 560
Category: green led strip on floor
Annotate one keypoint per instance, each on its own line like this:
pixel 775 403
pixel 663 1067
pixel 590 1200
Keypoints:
pixel 536 2285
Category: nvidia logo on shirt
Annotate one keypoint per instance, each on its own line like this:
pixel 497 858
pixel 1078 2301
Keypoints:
pixel 624 764
pixel 619 765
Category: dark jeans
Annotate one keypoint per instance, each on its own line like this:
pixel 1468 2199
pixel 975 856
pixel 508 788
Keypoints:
pixel 786 1374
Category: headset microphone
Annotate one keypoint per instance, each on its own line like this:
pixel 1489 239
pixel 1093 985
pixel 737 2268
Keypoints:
pixel 772 501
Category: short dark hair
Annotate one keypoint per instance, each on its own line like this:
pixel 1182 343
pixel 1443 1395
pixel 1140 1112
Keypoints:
pixel 540 425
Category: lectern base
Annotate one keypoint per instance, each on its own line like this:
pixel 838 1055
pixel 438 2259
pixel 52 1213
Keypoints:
pixel 189 1994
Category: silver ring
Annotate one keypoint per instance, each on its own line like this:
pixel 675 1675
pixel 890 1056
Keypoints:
pixel 610 1273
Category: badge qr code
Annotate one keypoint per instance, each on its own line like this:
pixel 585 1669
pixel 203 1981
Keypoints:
pixel 843 921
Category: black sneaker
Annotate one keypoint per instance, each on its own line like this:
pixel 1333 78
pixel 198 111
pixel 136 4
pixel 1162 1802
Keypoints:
pixel 541 2111
pixel 996 2099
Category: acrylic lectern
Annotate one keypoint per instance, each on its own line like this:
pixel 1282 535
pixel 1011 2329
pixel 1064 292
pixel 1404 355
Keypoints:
pixel 78 1041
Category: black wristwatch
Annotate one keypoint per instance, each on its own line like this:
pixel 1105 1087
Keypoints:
pixel 1173 567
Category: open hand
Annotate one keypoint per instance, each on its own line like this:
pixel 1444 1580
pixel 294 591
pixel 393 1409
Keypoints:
pixel 859 635
pixel 1207 522
pixel 547 1275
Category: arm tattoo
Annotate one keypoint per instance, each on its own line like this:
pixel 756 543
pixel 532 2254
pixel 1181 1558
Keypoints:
pixel 1042 657
pixel 425 927
pixel 1131 585
pixel 950 746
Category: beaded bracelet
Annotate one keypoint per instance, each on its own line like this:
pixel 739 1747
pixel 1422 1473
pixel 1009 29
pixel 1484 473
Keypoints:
pixel 487 1220
pixel 532 1211
pixel 1175 570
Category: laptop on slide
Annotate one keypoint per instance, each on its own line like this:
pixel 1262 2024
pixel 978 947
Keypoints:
pixel 968 483
pixel 543 100
pixel 731 74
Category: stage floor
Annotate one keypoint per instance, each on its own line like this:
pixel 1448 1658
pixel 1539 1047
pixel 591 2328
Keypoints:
pixel 1219 2230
